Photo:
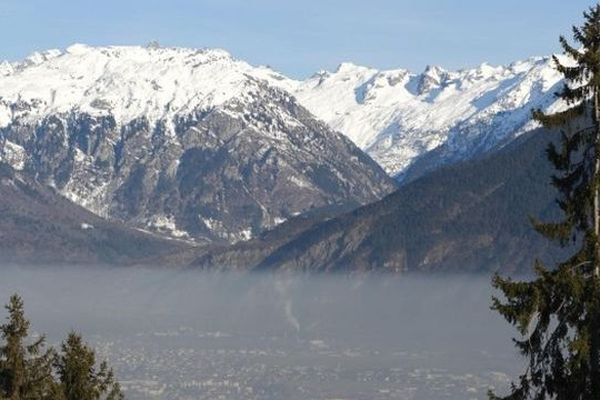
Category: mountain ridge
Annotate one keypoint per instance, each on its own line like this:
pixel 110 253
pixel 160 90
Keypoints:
pixel 395 115
pixel 398 117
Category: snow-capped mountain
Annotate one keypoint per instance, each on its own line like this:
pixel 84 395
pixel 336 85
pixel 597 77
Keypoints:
pixel 398 117
pixel 197 144
pixel 191 143
pixel 125 82
pixel 395 116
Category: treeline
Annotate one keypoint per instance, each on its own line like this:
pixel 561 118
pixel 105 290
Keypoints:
pixel 30 370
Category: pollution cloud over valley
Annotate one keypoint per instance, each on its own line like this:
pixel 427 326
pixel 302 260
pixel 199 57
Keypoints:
pixel 189 334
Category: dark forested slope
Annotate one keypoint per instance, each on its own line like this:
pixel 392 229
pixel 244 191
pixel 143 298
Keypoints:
pixel 38 226
pixel 469 217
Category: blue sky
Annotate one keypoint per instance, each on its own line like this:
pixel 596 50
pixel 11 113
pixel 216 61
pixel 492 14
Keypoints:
pixel 299 37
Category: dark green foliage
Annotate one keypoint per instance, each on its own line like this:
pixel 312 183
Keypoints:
pixel 79 378
pixel 558 312
pixel 30 371
pixel 25 369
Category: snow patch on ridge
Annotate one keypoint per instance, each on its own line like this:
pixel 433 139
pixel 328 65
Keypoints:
pixel 14 155
pixel 166 224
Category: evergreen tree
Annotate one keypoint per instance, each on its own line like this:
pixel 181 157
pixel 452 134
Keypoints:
pixel 78 375
pixel 25 369
pixel 558 312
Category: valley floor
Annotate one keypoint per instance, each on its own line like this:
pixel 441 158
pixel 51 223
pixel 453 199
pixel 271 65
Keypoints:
pixel 192 335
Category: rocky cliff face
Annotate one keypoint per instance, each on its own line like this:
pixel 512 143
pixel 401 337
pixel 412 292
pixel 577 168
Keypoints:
pixel 191 144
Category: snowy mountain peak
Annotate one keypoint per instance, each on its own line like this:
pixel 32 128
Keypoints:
pixel 39 57
pixel 6 68
pixel 394 115
pixel 78 48
pixel 434 71
pixel 433 77
pixel 398 116
pixel 127 82
pixel 487 69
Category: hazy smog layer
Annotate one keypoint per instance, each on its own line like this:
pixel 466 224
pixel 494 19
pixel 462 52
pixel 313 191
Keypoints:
pixel 191 335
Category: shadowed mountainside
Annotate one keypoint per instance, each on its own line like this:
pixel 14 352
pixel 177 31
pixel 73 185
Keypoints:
pixel 469 217
pixel 38 226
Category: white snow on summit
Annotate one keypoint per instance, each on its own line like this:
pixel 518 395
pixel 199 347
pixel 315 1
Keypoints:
pixel 394 115
pixel 126 81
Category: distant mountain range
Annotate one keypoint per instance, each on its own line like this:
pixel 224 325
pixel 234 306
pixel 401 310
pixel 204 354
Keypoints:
pixel 197 146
